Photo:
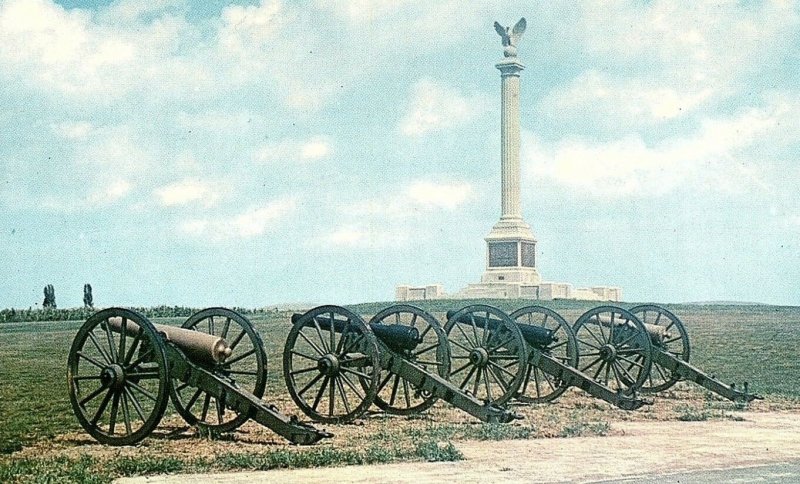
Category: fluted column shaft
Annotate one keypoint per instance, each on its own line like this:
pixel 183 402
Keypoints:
pixel 511 208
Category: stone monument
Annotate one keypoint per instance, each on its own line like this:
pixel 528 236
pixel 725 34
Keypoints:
pixel 510 246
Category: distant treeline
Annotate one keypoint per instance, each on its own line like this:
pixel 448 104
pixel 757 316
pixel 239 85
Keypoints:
pixel 80 314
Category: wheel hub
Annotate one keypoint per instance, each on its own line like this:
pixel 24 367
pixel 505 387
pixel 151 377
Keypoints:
pixel 328 365
pixel 479 357
pixel 608 353
pixel 112 376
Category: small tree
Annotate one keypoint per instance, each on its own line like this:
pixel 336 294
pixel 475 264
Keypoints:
pixel 49 297
pixel 87 296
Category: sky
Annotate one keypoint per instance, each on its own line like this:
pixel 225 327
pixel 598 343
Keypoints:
pixel 269 152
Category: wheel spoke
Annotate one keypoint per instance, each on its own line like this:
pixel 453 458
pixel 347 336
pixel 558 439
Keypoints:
pixel 134 346
pixel 504 370
pixel 96 344
pixel 320 393
pixel 594 362
pixel 344 395
pixel 426 349
pixel 311 343
pixel 225 328
pixel 461 368
pixel 407 393
pixel 141 390
pixel 310 384
pixel 466 378
pixel 194 398
pixel 92 395
pixel 319 333
pixel 241 357
pixel 122 334
pixel 111 346
pixel 243 372
pixel 464 333
pixel 140 359
pixel 114 408
pixel 126 413
pixel 352 386
pixel 91 360
pixel 102 407
pixel 239 337
pixel 136 405
pixel 302 370
pixel 477 382
pixel 394 389
pixel 206 404
pixel 295 352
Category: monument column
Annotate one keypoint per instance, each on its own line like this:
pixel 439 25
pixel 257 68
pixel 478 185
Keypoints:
pixel 510 246
pixel 509 136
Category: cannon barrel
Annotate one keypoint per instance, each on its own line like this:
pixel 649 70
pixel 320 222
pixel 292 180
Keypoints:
pixel 199 347
pixel 534 335
pixel 396 336
pixel 658 334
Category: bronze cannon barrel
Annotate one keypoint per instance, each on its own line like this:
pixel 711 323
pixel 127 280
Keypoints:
pixel 534 335
pixel 198 346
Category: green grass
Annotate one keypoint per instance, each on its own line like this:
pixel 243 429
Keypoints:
pixel 86 469
pixel 736 343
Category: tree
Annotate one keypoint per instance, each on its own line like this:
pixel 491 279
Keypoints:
pixel 87 296
pixel 49 297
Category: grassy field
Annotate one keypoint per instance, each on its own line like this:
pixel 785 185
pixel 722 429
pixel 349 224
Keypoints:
pixel 736 343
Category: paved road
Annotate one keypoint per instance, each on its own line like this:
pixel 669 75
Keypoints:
pixel 770 474
pixel 765 447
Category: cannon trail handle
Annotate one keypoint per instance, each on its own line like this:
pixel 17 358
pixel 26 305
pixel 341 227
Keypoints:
pixel 574 377
pixel 241 401
pixel 691 373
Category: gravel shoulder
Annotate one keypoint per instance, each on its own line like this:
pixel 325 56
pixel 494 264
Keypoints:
pixel 636 449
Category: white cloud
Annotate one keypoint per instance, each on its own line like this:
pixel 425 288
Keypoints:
pixel 712 159
pixel 434 106
pixel 315 148
pixel 187 191
pixel 622 100
pixel 420 196
pixel 254 221
pixel 361 237
pixel 72 130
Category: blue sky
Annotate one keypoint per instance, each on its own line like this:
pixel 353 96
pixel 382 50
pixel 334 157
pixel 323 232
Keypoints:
pixel 259 153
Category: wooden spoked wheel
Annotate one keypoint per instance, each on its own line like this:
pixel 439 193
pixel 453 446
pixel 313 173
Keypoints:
pixel 331 364
pixel 118 377
pixel 538 386
pixel 488 352
pixel 395 395
pixel 614 348
pixel 675 341
pixel 246 367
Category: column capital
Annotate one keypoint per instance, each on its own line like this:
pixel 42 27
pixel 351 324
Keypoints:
pixel 509 67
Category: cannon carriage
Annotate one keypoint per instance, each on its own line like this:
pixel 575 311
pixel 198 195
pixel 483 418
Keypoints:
pixel 123 370
pixel 552 365
pixel 336 365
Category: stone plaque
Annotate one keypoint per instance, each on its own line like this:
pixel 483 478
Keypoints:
pixel 503 254
pixel 528 254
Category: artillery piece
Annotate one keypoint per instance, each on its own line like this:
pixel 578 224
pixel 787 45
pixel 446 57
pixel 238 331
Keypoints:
pixel 671 357
pixel 601 330
pixel 553 355
pixel 120 362
pixel 336 365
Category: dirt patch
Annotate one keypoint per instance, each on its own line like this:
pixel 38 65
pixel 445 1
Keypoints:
pixel 638 449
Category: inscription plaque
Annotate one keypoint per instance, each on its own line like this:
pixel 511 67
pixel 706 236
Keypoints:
pixel 528 254
pixel 503 254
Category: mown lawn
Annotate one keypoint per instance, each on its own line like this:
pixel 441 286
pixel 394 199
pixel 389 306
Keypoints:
pixel 736 343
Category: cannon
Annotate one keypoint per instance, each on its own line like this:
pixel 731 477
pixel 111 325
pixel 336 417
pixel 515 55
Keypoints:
pixel 671 357
pixel 552 363
pixel 336 365
pixel 123 369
